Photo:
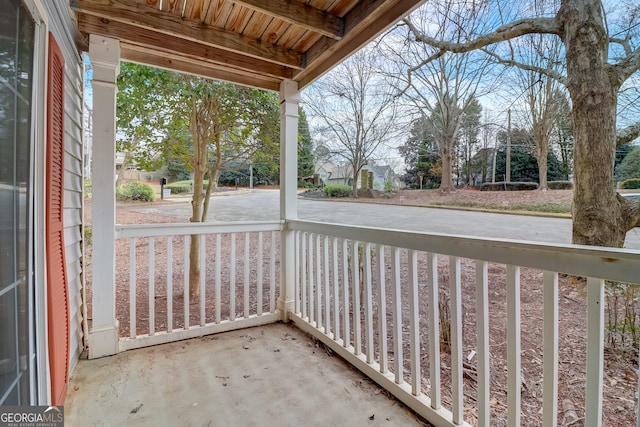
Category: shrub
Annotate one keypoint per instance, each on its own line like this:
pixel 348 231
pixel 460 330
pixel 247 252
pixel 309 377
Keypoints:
pixel 560 185
pixel 630 184
pixel 508 186
pixel 337 191
pixel 630 166
pixel 389 187
pixel 180 187
pixel 305 184
pixel 134 191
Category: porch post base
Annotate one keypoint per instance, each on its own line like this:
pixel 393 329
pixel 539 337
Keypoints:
pixel 104 341
pixel 285 307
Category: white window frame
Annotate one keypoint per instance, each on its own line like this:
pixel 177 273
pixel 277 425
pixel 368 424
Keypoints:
pixel 40 382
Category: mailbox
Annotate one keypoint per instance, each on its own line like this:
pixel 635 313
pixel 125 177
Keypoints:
pixel 163 181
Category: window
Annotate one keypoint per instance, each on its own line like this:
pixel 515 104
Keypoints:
pixel 17 33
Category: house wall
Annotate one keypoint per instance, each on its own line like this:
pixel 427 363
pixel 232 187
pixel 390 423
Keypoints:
pixel 61 25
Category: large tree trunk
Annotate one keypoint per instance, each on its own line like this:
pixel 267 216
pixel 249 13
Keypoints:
pixel 543 152
pixel 597 212
pixel 446 183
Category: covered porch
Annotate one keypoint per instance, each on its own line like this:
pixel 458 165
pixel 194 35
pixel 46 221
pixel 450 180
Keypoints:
pixel 372 296
pixel 272 375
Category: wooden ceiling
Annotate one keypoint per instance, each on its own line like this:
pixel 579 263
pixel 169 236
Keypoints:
pixel 256 43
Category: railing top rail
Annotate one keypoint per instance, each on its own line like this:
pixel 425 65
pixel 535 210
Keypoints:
pixel 605 263
pixel 191 228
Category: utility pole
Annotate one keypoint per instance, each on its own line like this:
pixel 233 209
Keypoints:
pixel 508 171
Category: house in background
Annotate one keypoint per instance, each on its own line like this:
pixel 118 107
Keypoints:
pixel 331 174
pixel 383 175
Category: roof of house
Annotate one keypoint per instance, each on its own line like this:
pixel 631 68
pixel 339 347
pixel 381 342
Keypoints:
pixel 255 43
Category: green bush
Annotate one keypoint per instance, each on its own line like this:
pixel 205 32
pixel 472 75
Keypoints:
pixel 630 184
pixel 337 191
pixel 560 185
pixel 134 191
pixel 305 184
pixel 508 186
pixel 180 187
pixel 630 166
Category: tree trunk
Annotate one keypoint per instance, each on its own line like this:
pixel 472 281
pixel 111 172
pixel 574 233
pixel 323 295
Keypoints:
pixel 194 245
pixel 543 152
pixel 446 183
pixel 597 212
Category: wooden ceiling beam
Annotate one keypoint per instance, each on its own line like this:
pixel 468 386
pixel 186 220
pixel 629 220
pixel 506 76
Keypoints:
pixel 166 23
pixel 142 55
pixel 300 14
pixel 367 20
pixel 90 24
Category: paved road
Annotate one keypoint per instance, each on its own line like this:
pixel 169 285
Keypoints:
pixel 264 205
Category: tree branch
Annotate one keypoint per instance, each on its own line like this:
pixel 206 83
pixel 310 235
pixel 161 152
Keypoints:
pixel 502 33
pixel 624 43
pixel 628 134
pixel 628 66
pixel 511 63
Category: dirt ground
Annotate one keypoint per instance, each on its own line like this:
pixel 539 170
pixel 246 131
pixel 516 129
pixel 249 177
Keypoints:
pixel 620 381
pixel 556 201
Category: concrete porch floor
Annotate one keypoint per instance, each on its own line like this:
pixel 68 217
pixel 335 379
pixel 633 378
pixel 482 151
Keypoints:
pixel 265 376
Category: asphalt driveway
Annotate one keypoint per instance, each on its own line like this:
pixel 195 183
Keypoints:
pixel 265 205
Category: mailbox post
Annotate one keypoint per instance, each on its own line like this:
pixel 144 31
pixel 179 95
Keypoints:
pixel 163 182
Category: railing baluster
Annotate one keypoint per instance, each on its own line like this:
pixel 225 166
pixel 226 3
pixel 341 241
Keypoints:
pixel 203 279
pixel 595 351
pixel 152 286
pixel 303 257
pixel 357 327
pixel 368 304
pixel 482 331
pixel 272 288
pixel 455 289
pixel 434 330
pixel 296 291
pixel 336 295
pixel 414 324
pixel 345 293
pixel 218 278
pixel 398 354
pixel 245 293
pixel 318 284
pixel 514 375
pixel 259 278
pixel 132 287
pixel 185 291
pixel 169 283
pixel 550 353
pixel 312 317
pixel 232 282
pixel 382 311
pixel 327 294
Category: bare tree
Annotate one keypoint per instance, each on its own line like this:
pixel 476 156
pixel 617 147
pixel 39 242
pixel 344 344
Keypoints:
pixel 540 92
pixel 440 85
pixel 356 110
pixel 599 60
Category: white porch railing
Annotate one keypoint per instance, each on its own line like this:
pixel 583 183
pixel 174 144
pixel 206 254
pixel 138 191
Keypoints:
pixel 239 280
pixel 381 327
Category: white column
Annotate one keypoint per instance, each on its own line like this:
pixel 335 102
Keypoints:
pixel 289 99
pixel 105 58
